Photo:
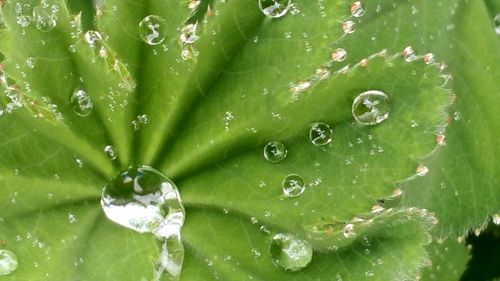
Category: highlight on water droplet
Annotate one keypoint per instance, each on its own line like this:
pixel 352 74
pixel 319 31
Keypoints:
pixel 339 55
pixel 144 200
pixel 371 107
pixel 275 151
pixel 151 30
pixel 274 8
pixel 289 252
pixel 110 152
pixel 496 24
pixel 293 185
pixel 348 27
pixel 82 103
pixel 92 37
pixel 320 134
pixel 357 9
pixel 44 18
pixel 8 262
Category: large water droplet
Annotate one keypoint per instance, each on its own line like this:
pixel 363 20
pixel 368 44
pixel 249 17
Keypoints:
pixel 275 151
pixel 320 134
pixel 82 103
pixel 274 8
pixel 289 252
pixel 371 107
pixel 146 201
pixel 8 262
pixel 293 185
pixel 496 24
pixel 151 30
pixel 44 19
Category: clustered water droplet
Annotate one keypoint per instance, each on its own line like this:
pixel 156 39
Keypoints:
pixel 275 151
pixel 496 24
pixel 8 262
pixel 274 8
pixel 289 252
pixel 144 200
pixel 152 29
pixel 293 185
pixel 45 17
pixel 371 107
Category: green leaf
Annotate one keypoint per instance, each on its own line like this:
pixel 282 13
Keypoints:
pixel 211 107
pixel 448 260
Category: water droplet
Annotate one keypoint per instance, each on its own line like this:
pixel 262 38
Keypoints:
pixel 92 37
pixel 275 151
pixel 23 14
pixel 188 34
pixel 289 252
pixel 274 8
pixel 82 103
pixel 496 24
pixel 371 107
pixel 320 134
pixel 255 252
pixel 110 152
pixel 357 9
pixel 429 58
pixel 151 31
pixel 339 55
pixel 71 218
pixel 144 200
pixel 31 62
pixel 348 27
pixel 409 54
pixel 293 185
pixel 44 19
pixel 422 170
pixel 8 262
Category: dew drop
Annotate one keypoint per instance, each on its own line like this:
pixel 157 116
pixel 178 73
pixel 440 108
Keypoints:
pixel 422 171
pixel 339 55
pixel 289 252
pixel 23 14
pixel 496 24
pixel 92 37
pixel 293 185
pixel 371 107
pixel 82 103
pixel 357 9
pixel 188 34
pixel 151 31
pixel 274 8
pixel 320 134
pixel 409 54
pixel 8 262
pixel 348 27
pixel 31 62
pixel 144 200
pixel 110 152
pixel 275 151
pixel 429 58
pixel 43 18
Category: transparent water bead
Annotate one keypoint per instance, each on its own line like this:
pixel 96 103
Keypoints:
pixel 44 18
pixel 339 55
pixel 289 252
pixel 151 30
pixel 8 262
pixel 82 103
pixel 275 151
pixel 144 200
pixel 320 134
pixel 31 62
pixel 371 107
pixel 110 152
pixel 92 37
pixel 293 185
pixel 274 8
pixel 188 33
pixel 357 9
pixel 496 24
pixel 348 27
pixel 24 14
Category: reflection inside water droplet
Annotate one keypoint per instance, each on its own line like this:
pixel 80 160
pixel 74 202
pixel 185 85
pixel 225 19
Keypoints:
pixel 275 151
pixel 146 201
pixel 320 134
pixel 274 8
pixel 151 30
pixel 371 107
pixel 82 103
pixel 293 185
pixel 8 262
pixel 289 252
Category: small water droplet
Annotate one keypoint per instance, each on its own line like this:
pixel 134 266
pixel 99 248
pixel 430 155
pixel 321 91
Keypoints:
pixel 8 262
pixel 496 24
pixel 43 18
pixel 339 55
pixel 422 170
pixel 110 152
pixel 82 103
pixel 371 107
pixel 429 58
pixel 151 30
pixel 348 27
pixel 293 185
pixel 289 252
pixel 71 218
pixel 188 33
pixel 255 252
pixel 92 37
pixel 274 8
pixel 275 151
pixel 79 163
pixel 31 62
pixel 320 134
pixel 409 54
pixel 357 9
